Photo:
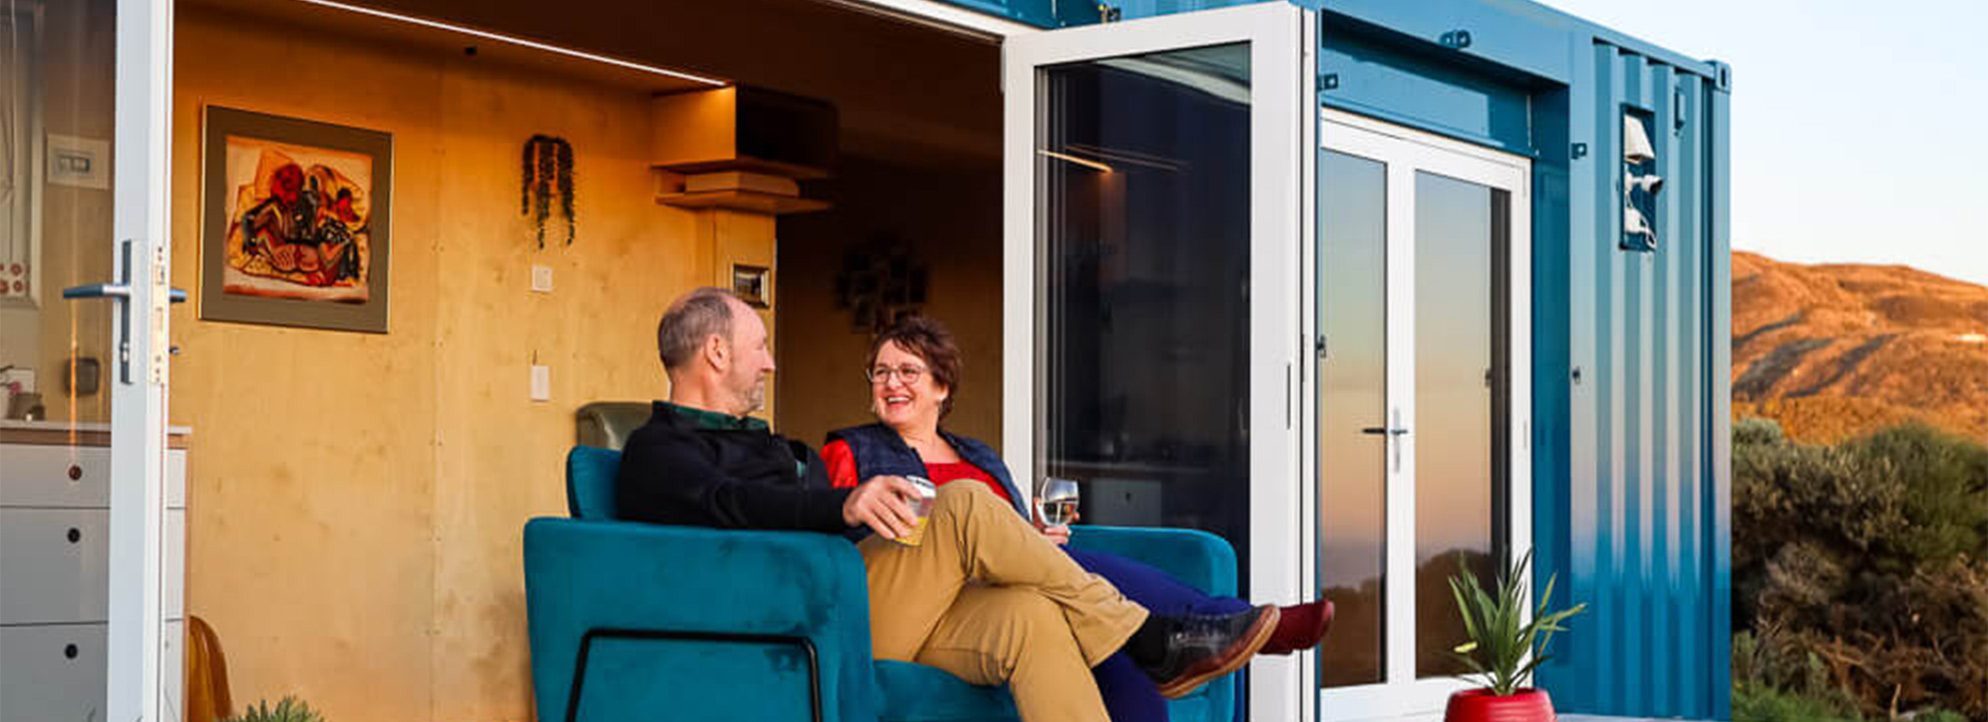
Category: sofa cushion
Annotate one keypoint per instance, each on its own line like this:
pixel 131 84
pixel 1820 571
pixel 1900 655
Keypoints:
pixel 913 692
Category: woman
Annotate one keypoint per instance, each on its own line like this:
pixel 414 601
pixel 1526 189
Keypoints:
pixel 914 368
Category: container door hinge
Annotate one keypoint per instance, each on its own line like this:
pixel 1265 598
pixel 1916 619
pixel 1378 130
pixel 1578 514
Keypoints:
pixel 1318 347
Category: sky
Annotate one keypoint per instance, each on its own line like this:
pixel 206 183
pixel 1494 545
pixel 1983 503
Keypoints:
pixel 1860 129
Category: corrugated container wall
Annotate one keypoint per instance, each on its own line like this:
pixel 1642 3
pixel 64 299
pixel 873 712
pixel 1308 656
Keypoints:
pixel 1632 349
pixel 1637 521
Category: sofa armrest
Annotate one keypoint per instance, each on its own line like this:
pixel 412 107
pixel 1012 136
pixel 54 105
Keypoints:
pixel 1195 558
pixel 668 597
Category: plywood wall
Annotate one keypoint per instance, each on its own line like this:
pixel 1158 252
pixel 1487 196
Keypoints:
pixel 356 501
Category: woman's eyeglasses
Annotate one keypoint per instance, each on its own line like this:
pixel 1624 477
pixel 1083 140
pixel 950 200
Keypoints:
pixel 906 375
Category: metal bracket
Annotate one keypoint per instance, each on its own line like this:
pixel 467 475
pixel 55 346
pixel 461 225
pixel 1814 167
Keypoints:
pixel 1110 13
pixel 1455 39
pixel 1328 81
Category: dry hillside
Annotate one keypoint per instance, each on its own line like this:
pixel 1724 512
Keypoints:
pixel 1832 351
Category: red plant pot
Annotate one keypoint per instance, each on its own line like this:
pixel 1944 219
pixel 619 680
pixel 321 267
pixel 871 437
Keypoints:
pixel 1479 705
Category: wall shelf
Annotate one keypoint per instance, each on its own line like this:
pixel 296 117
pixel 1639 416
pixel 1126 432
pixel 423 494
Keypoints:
pixel 743 200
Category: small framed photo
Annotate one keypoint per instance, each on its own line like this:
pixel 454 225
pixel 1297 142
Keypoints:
pixel 753 285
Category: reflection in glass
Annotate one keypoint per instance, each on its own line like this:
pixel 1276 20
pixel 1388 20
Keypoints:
pixel 1352 388
pixel 1143 234
pixel 1456 239
pixel 56 116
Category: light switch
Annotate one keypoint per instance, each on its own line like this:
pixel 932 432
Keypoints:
pixel 542 279
pixel 541 383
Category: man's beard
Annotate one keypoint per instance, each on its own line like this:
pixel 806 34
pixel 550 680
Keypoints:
pixel 754 397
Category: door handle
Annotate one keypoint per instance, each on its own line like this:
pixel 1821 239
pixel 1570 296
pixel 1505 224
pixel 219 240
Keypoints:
pixel 1393 432
pixel 120 292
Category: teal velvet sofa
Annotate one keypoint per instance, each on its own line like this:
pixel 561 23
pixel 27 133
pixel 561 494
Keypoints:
pixel 633 621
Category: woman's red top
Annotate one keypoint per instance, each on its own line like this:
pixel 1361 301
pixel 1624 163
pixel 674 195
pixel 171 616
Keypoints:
pixel 842 471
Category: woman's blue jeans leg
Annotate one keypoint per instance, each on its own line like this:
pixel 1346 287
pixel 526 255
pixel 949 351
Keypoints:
pixel 1128 694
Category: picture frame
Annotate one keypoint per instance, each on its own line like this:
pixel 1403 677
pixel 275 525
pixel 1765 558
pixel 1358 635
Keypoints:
pixel 296 222
pixel 753 285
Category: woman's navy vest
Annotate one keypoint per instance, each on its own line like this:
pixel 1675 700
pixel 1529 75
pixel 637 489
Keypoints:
pixel 880 451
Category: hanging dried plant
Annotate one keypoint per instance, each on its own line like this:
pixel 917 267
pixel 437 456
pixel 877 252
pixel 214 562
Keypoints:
pixel 547 169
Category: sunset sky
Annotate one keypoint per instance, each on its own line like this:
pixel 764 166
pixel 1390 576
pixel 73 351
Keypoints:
pixel 1860 129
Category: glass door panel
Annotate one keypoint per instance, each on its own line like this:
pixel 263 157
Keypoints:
pixel 1455 339
pixel 1144 329
pixel 1153 231
pixel 1352 403
pixel 57 114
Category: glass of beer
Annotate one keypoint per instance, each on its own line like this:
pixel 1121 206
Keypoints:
pixel 922 506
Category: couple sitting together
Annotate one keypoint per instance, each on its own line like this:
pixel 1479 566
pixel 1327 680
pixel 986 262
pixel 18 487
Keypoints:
pixel 987 595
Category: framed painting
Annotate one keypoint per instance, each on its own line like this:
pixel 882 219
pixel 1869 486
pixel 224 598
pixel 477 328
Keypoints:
pixel 296 222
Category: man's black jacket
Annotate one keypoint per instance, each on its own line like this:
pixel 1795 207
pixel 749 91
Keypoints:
pixel 676 470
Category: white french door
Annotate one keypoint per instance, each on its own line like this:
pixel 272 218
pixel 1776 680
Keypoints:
pixel 1157 175
pixel 88 625
pixel 1420 283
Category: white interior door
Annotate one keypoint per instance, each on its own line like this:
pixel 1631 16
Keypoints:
pixel 1155 221
pixel 1422 303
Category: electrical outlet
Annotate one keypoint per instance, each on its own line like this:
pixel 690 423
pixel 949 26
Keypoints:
pixel 542 279
pixel 541 383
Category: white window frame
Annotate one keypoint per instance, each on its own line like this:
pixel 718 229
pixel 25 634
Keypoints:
pixel 1406 151
pixel 1282 40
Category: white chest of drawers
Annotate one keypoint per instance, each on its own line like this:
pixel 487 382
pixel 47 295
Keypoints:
pixel 54 573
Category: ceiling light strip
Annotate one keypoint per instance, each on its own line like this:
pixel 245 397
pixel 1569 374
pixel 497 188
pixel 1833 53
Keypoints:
pixel 521 42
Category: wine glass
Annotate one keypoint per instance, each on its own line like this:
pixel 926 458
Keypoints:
pixel 1056 501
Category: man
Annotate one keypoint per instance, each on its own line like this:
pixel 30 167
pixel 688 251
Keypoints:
pixel 983 596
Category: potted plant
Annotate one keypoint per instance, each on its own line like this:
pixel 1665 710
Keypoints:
pixel 1504 648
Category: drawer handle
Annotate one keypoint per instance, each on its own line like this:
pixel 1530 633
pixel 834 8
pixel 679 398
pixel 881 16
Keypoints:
pixel 75 472
pixel 70 651
pixel 75 535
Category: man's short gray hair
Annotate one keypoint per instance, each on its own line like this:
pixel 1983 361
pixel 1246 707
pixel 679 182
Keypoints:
pixel 699 315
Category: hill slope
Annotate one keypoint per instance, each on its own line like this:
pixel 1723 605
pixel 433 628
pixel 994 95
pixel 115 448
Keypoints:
pixel 1832 351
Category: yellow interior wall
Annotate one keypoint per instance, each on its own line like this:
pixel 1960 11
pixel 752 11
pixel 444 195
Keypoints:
pixel 356 501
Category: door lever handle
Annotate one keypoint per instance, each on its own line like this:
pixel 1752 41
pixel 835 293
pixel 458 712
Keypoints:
pixel 1382 430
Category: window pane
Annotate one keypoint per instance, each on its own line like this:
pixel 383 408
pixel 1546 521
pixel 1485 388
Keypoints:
pixel 1352 388
pixel 1143 252
pixel 1454 346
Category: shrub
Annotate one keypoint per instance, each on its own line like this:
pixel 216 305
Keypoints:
pixel 1859 571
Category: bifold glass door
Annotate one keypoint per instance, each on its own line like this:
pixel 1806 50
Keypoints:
pixel 1153 243
pixel 1421 377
